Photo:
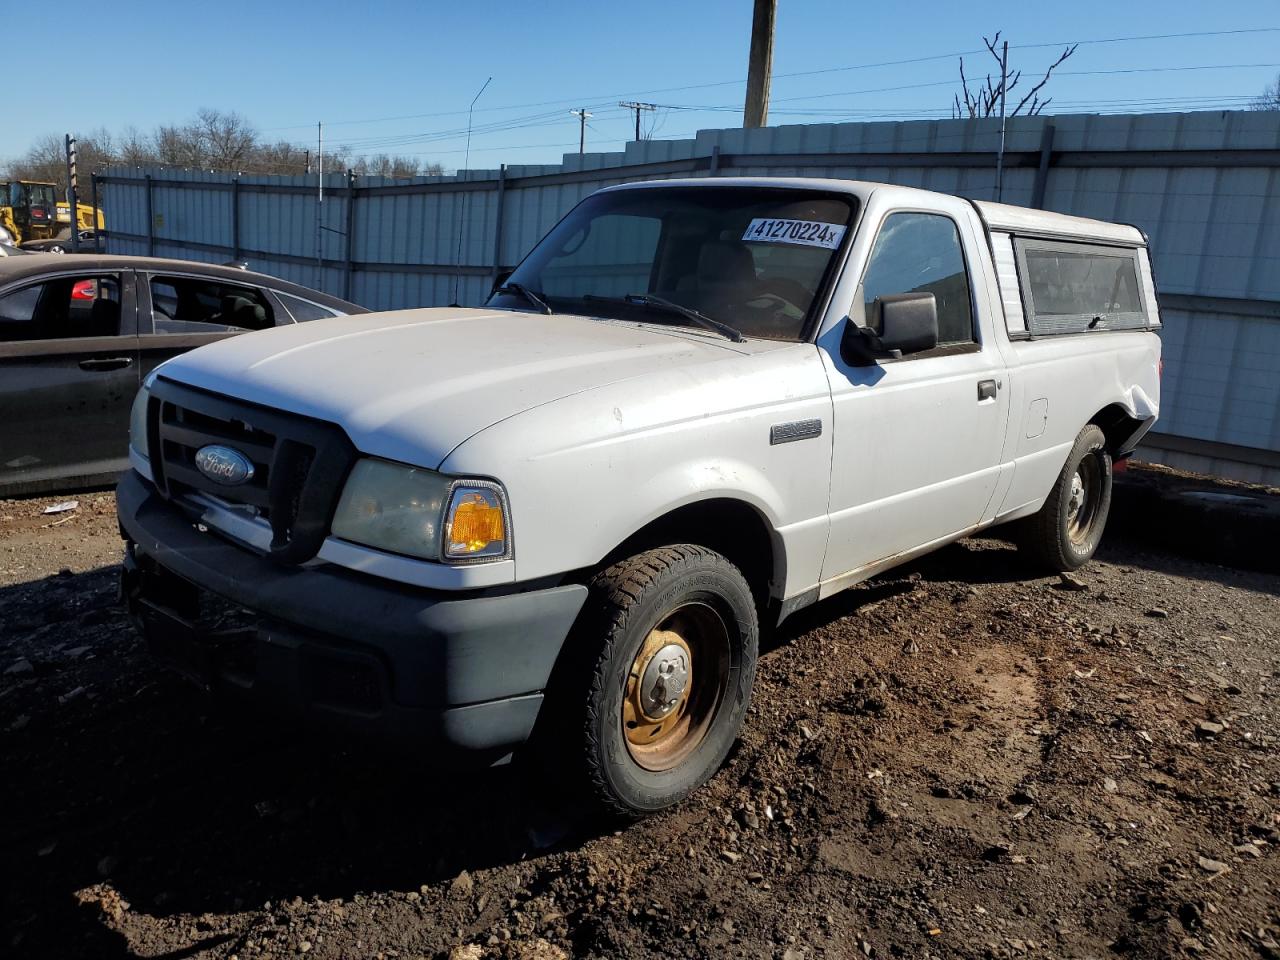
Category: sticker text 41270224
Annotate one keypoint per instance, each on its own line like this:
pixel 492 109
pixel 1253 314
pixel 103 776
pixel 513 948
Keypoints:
pixel 809 233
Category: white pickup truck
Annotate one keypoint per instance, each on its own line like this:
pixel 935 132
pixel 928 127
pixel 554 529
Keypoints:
pixel 695 408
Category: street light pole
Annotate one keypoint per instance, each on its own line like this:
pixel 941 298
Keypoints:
pixel 583 117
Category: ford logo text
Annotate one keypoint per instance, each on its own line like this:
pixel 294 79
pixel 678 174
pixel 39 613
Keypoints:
pixel 224 465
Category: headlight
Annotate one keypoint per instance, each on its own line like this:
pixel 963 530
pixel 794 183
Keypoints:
pixel 138 417
pixel 420 513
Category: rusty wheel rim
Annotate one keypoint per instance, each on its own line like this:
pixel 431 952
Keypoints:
pixel 675 686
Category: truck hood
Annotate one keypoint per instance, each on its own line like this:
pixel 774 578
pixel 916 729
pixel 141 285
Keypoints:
pixel 413 384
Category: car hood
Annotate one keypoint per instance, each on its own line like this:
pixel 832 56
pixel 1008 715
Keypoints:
pixel 413 384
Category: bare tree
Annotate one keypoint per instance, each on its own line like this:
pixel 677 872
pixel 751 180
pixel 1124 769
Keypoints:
pixel 1270 99
pixel 178 146
pixel 226 139
pixel 984 101
pixel 281 157
pixel 135 148
pixel 212 140
pixel 384 165
pixel 47 159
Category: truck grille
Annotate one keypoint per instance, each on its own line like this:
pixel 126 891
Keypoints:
pixel 299 464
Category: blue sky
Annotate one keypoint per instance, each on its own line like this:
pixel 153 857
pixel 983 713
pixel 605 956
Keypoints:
pixel 286 64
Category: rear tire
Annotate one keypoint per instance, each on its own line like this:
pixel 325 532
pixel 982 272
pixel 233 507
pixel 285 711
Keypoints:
pixel 666 652
pixel 1066 531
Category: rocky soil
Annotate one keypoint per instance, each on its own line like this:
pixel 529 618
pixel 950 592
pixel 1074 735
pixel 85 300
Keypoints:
pixel 956 760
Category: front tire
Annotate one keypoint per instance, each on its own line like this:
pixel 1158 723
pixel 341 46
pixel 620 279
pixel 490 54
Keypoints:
pixel 1066 531
pixel 668 640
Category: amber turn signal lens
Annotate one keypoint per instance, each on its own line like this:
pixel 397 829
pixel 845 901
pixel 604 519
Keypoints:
pixel 477 525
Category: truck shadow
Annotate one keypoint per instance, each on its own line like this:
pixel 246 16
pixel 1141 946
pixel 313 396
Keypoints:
pixel 123 782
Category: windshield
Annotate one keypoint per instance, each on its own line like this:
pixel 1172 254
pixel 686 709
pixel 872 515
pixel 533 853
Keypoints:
pixel 756 258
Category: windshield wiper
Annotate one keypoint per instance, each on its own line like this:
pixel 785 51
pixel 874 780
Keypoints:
pixel 661 303
pixel 520 290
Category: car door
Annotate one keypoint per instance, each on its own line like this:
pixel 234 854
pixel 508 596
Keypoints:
pixel 68 375
pixel 917 440
pixel 179 312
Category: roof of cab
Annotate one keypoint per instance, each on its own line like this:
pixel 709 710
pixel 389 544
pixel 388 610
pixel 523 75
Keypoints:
pixel 997 216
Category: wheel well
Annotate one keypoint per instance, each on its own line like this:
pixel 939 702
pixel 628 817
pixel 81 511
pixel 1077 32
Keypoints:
pixel 1117 426
pixel 732 528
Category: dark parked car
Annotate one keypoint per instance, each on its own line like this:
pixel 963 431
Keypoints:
pixel 78 334
pixel 62 243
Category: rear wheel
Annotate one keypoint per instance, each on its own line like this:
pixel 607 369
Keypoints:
pixel 1066 531
pixel 668 644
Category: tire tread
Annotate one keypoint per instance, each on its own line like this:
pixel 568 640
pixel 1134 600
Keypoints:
pixel 615 592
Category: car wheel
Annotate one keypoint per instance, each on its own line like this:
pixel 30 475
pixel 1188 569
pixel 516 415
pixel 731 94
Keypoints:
pixel 668 644
pixel 55 249
pixel 1066 531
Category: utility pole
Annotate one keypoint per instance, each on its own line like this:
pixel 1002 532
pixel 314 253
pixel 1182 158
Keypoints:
pixel 1004 80
pixel 637 107
pixel 583 117
pixel 760 68
pixel 72 199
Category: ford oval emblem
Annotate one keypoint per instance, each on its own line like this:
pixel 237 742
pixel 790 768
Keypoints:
pixel 224 465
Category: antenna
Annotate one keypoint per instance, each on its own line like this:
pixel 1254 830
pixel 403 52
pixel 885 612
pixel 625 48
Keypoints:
pixel 319 205
pixel 466 197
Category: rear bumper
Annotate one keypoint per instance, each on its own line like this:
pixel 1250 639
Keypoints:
pixel 335 647
pixel 1135 438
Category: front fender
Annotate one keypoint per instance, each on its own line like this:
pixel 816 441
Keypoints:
pixel 585 473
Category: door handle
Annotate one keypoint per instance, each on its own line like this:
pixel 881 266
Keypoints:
pixel 987 389
pixel 106 363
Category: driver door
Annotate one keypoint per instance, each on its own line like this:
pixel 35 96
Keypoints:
pixel 917 440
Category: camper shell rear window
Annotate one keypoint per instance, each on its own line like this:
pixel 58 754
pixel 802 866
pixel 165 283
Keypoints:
pixel 1072 287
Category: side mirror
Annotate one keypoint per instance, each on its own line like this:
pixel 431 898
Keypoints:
pixel 909 322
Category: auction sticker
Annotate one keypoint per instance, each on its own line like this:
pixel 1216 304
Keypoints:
pixel 810 233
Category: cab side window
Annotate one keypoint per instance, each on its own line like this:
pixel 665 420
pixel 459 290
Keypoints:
pixel 922 253
pixel 62 308
pixel 190 305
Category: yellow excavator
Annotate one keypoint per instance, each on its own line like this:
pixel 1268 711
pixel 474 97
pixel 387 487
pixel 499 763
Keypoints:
pixel 31 210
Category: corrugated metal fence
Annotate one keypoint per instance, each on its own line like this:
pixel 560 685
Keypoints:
pixel 1205 187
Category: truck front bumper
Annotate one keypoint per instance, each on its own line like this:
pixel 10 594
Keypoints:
pixel 335 647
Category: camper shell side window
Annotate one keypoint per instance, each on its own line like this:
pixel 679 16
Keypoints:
pixel 1071 287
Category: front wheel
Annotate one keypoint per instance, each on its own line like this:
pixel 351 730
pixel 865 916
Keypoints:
pixel 1065 533
pixel 669 642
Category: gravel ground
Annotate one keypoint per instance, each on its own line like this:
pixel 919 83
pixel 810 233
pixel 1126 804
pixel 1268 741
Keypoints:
pixel 957 760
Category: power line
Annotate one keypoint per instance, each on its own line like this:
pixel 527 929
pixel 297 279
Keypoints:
pixel 803 73
pixel 543 119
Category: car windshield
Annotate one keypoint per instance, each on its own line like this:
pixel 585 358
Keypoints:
pixel 755 258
